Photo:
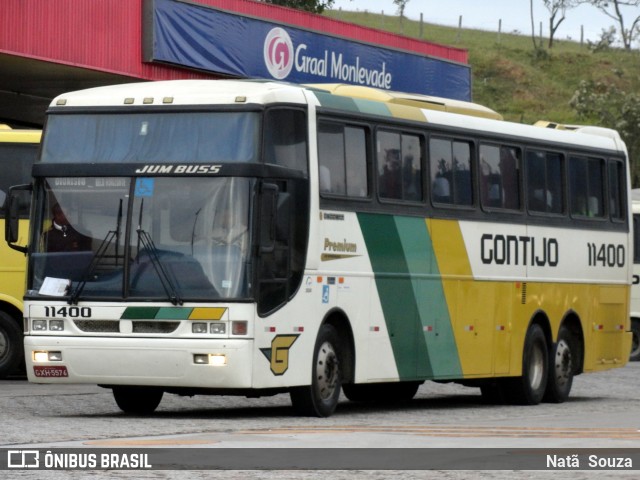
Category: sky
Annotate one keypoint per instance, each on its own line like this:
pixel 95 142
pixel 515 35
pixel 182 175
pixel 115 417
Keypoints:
pixel 485 15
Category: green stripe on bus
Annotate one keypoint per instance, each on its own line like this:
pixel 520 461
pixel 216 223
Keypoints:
pixel 328 100
pixel 410 290
pixel 139 313
pixel 173 313
pixel 431 302
pixel 397 297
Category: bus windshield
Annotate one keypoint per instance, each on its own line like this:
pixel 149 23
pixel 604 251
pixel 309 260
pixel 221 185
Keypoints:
pixel 159 137
pixel 173 239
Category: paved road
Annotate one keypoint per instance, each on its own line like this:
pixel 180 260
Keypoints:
pixel 603 412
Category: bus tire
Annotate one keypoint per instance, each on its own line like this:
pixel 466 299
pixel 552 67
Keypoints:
pixel 320 399
pixel 635 341
pixel 11 347
pixel 137 400
pixel 529 388
pixel 561 368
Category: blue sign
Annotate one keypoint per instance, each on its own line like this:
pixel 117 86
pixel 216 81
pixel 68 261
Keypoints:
pixel 201 37
pixel 144 187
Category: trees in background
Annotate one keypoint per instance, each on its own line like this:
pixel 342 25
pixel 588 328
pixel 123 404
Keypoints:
pixel 313 6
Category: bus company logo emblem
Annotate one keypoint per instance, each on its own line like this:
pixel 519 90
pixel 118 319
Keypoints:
pixel 278 354
pixel 278 53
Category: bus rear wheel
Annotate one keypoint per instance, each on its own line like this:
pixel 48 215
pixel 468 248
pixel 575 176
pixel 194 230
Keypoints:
pixel 10 344
pixel 320 399
pixel 635 341
pixel 137 400
pixel 529 388
pixel 561 368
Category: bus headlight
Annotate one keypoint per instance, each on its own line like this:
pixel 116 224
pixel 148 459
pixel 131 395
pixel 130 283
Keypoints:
pixel 218 328
pixel 39 325
pixel 56 325
pixel 199 327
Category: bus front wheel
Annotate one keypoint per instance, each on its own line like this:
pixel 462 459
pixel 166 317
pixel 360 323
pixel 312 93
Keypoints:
pixel 137 400
pixel 635 342
pixel 529 388
pixel 10 344
pixel 320 399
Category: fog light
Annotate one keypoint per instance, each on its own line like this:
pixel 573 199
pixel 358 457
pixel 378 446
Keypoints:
pixel 217 360
pixel 239 327
pixel 199 327
pixel 56 325
pixel 40 356
pixel 39 325
pixel 218 328
pixel 200 359
pixel 55 356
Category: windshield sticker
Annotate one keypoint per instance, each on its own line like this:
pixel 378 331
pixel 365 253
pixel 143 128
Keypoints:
pixel 144 187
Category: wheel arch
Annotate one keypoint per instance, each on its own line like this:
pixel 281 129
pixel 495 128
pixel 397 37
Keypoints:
pixel 13 310
pixel 339 320
pixel 571 321
pixel 541 319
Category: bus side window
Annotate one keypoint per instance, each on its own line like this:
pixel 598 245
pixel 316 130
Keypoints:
pixel 586 186
pixel 286 138
pixel 544 182
pixel 500 177
pixel 342 158
pixel 617 184
pixel 451 178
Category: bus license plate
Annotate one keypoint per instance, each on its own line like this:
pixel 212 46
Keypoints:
pixel 50 371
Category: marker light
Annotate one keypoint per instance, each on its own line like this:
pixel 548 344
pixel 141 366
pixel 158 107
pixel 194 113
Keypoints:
pixel 239 327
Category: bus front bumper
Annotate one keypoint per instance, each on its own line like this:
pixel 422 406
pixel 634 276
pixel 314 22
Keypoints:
pixel 196 363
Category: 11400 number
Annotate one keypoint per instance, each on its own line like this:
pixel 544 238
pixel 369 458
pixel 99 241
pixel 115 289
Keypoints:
pixel 67 312
pixel 606 255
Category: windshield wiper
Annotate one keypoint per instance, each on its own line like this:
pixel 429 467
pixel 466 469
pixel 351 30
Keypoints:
pixel 152 252
pixel 97 258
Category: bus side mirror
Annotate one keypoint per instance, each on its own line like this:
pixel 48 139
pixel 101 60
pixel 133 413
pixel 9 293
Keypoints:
pixel 12 216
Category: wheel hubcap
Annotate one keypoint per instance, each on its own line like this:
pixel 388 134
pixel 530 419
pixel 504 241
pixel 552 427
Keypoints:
pixel 4 345
pixel 327 370
pixel 563 363
pixel 536 368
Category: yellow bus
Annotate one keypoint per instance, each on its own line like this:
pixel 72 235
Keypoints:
pixel 18 151
pixel 256 238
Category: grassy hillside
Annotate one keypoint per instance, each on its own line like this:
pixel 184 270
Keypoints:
pixel 509 77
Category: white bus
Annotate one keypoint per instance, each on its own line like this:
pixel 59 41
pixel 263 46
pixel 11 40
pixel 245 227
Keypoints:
pixel 635 289
pixel 256 238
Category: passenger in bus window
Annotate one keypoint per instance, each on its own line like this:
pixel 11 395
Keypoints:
pixel 62 237
pixel 391 178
